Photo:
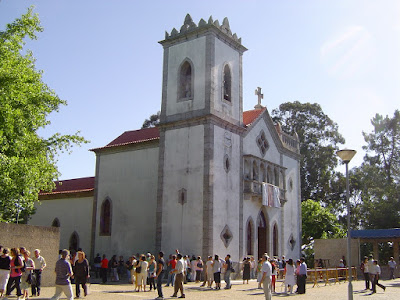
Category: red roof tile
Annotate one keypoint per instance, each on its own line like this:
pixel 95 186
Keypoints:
pixel 133 137
pixel 251 115
pixel 149 134
pixel 73 186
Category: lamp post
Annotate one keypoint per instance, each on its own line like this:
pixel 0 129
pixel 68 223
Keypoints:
pixel 346 155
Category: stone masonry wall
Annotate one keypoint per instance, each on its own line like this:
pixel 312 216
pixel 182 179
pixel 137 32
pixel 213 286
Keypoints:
pixel 47 239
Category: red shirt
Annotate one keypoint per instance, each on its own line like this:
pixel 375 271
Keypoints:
pixel 172 263
pixel 104 263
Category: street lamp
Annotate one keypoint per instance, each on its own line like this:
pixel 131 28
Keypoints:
pixel 346 155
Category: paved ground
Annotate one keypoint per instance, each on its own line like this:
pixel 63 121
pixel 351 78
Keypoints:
pixel 239 291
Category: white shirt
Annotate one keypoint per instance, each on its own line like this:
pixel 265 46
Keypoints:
pixel 266 268
pixel 179 266
pixel 40 263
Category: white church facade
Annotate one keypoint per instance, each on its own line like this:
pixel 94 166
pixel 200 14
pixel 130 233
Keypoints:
pixel 210 179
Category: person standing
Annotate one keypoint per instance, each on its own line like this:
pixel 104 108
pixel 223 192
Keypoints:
pixel 289 276
pixel 81 274
pixel 216 265
pixel 160 274
pixel 375 272
pixel 5 266
pixel 141 276
pixel 63 275
pixel 246 269
pixel 209 272
pixel 15 276
pixel 104 269
pixel 302 276
pixel 26 278
pixel 179 273
pixel 266 270
pixel 364 269
pixel 253 267
pixel 228 269
pixel 392 267
pixel 97 264
pixel 40 264
pixel 199 268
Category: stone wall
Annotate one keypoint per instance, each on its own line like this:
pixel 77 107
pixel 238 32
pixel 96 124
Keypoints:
pixel 332 251
pixel 47 239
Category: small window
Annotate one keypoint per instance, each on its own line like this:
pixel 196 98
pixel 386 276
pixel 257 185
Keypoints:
pixel 56 223
pixel 249 238
pixel 74 241
pixel 262 143
pixel 227 164
pixel 185 91
pixel 227 84
pixel 275 241
pixel 105 218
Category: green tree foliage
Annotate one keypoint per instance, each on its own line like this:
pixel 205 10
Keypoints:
pixel 377 181
pixel 319 139
pixel 27 161
pixel 318 222
pixel 153 121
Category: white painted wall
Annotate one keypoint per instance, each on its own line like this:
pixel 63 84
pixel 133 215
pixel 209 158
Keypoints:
pixel 74 214
pixel 129 179
pixel 195 51
pixel 182 226
pixel 226 191
pixel 224 54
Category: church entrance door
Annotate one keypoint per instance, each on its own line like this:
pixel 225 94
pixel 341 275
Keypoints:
pixel 262 235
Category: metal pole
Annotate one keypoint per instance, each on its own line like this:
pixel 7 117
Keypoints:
pixel 350 289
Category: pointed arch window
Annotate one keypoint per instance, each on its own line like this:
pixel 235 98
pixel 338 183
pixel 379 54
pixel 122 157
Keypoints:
pixel 250 238
pixel 227 84
pixel 275 241
pixel 185 87
pixel 105 218
pixel 74 241
pixel 56 223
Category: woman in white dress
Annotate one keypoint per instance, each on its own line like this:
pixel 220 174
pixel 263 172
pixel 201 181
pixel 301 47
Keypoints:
pixel 289 276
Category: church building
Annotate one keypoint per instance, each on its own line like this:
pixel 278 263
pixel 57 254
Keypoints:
pixel 209 179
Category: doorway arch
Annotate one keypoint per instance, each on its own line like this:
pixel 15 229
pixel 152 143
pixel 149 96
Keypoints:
pixel 262 234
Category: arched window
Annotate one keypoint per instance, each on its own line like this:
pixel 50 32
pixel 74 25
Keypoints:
pixel 74 241
pixel 227 83
pixel 105 218
pixel 250 238
pixel 275 241
pixel 56 223
pixel 185 81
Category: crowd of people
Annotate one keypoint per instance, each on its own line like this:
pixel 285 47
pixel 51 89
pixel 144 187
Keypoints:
pixel 20 271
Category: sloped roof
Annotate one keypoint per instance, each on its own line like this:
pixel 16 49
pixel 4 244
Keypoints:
pixel 251 115
pixel 375 233
pixel 134 137
pixel 85 184
pixel 149 134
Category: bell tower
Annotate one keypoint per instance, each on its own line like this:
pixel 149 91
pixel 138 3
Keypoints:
pixel 200 139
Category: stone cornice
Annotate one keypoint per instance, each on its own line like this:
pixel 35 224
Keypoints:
pixel 190 30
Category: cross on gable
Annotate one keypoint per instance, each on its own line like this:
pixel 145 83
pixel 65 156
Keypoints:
pixel 260 96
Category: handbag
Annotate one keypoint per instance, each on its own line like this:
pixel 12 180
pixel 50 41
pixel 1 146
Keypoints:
pixel 138 269
pixel 29 278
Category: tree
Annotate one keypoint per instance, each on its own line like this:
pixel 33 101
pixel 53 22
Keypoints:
pixel 153 121
pixel 319 139
pixel 377 180
pixel 27 161
pixel 318 222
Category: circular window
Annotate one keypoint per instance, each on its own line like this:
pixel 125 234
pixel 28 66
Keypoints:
pixel 227 163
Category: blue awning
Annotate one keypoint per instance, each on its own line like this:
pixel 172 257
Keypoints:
pixel 375 233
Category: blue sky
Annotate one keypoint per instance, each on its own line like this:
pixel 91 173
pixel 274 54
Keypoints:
pixel 104 59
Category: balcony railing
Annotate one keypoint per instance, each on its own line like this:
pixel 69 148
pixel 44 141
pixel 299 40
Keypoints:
pixel 254 189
